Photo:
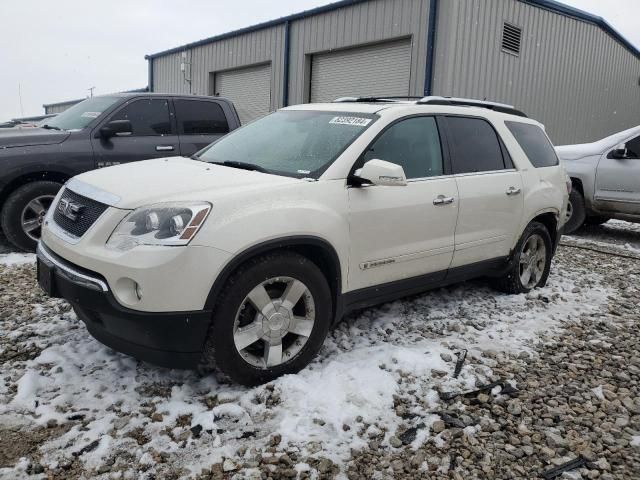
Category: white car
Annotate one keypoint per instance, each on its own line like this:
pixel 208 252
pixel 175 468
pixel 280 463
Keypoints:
pixel 606 179
pixel 244 256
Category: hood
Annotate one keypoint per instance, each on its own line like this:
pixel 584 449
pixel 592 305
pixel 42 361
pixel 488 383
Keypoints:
pixel 28 137
pixel 176 179
pixel 575 152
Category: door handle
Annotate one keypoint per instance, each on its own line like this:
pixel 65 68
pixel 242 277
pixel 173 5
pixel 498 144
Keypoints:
pixel 442 200
pixel 164 148
pixel 513 191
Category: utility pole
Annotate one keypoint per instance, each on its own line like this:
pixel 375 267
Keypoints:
pixel 91 91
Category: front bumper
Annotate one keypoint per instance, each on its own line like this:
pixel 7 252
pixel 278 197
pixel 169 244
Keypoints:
pixel 170 339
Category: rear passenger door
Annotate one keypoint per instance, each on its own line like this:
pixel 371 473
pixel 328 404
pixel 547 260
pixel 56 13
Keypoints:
pixel 489 188
pixel 200 122
pixel 153 135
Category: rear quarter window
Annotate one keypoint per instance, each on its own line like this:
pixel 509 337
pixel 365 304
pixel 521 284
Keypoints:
pixel 535 144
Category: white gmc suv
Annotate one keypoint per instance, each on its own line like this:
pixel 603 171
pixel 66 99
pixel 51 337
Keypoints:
pixel 242 257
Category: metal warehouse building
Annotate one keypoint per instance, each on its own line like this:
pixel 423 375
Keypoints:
pixel 569 69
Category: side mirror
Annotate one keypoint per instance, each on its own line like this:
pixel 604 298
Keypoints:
pixel 620 152
pixel 116 128
pixel 381 172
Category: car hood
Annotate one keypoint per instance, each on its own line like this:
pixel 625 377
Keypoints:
pixel 141 183
pixel 575 152
pixel 28 137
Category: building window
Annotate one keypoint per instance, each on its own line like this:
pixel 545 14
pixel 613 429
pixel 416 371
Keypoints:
pixel 511 39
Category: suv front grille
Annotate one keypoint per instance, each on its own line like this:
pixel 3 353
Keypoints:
pixel 89 211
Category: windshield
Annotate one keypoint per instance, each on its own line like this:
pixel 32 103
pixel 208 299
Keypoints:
pixel 293 143
pixel 80 115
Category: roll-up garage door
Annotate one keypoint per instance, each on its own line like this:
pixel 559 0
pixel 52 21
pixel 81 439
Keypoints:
pixel 381 69
pixel 248 88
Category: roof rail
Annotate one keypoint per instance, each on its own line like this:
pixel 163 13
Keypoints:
pixel 383 99
pixel 470 102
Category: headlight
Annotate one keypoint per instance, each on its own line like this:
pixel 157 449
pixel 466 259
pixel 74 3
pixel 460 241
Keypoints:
pixel 159 224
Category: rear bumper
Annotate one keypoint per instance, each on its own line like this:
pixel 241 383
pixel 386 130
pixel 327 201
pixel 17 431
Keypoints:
pixel 170 339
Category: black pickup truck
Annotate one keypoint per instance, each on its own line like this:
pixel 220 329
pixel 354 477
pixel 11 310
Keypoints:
pixel 95 133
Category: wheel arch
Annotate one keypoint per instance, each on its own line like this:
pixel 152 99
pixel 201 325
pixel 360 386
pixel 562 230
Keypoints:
pixel 550 220
pixel 316 249
pixel 35 176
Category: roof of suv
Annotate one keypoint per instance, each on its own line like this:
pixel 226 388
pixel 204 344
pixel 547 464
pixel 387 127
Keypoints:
pixel 371 105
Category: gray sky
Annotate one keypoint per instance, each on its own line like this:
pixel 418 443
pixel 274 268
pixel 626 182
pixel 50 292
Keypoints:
pixel 56 50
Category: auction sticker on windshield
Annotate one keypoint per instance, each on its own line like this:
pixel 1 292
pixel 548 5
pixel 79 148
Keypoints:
pixel 354 121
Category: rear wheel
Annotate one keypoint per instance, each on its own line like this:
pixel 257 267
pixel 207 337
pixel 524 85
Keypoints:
pixel 531 263
pixel 271 319
pixel 24 211
pixel 576 212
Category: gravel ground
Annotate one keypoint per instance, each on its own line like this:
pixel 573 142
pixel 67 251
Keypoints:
pixel 378 402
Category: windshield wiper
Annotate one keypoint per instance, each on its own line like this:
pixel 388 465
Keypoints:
pixel 50 127
pixel 243 165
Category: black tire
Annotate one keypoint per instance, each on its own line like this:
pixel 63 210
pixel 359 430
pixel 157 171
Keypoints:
pixel 578 212
pixel 11 216
pixel 596 220
pixel 511 282
pixel 220 352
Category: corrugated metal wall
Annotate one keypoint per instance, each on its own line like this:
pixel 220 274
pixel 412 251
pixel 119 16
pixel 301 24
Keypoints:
pixel 363 23
pixel 359 24
pixel 571 75
pixel 247 49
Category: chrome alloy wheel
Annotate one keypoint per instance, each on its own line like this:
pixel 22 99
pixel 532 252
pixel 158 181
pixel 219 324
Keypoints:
pixel 533 259
pixel 33 215
pixel 274 322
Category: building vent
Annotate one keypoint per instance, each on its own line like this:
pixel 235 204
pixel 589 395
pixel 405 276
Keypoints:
pixel 511 39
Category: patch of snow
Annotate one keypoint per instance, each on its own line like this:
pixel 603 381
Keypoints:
pixel 635 441
pixel 12 259
pixel 368 361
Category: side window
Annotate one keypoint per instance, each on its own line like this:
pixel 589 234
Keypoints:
pixel 148 117
pixel 414 144
pixel 200 117
pixel 633 148
pixel 534 143
pixel 475 145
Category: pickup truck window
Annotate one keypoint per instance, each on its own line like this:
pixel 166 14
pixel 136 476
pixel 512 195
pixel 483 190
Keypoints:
pixel 534 143
pixel 148 116
pixel 196 117
pixel 81 114
pixel 293 143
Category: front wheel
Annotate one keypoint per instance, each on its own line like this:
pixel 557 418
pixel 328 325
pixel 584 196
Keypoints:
pixel 576 212
pixel 271 319
pixel 531 263
pixel 24 211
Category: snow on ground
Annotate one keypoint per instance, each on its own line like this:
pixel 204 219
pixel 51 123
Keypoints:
pixel 9 259
pixel 119 410
pixel 612 235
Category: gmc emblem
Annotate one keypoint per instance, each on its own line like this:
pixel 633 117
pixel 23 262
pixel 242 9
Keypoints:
pixel 69 209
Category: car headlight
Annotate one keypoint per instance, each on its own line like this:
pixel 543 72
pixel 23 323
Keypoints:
pixel 173 224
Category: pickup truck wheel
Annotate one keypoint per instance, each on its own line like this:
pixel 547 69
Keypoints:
pixel 576 212
pixel 24 211
pixel 596 220
pixel 531 263
pixel 270 319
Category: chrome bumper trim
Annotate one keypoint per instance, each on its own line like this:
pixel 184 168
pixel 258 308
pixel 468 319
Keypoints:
pixel 43 251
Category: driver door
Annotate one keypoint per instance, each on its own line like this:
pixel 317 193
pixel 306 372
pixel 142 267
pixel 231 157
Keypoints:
pixel 618 181
pixel 153 136
pixel 400 232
